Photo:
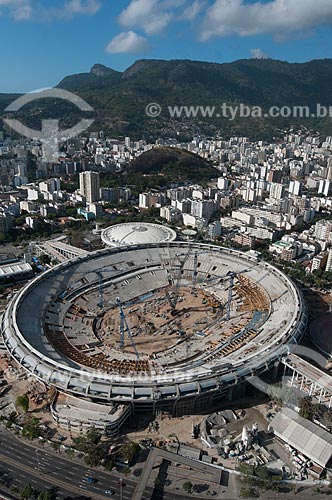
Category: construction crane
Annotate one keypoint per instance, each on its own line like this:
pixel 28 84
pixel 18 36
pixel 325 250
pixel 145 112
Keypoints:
pixel 230 295
pixel 125 327
pixel 231 276
pixel 173 300
pixel 99 273
pixel 195 271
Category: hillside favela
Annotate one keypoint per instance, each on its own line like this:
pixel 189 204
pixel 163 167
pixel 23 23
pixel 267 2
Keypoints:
pixel 165 249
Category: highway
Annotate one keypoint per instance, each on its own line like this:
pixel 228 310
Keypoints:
pixel 44 469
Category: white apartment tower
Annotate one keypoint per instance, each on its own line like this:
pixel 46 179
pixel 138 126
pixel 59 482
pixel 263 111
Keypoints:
pixel 89 186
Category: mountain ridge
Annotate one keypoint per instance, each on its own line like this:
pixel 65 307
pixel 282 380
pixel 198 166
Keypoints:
pixel 120 98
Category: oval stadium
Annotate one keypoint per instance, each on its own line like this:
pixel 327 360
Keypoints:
pixel 165 327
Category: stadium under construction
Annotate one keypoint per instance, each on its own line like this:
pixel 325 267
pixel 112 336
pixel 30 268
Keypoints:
pixel 172 326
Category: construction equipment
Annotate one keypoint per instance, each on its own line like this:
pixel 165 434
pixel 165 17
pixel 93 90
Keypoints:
pixel 125 327
pixel 195 271
pixel 215 304
pixel 173 300
pixel 99 273
pixel 231 276
pixel 230 295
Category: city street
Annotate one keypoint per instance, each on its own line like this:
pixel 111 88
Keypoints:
pixel 43 469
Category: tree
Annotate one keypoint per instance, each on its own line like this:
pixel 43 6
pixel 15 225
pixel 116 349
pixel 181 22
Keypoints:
pixel 27 492
pixel 264 477
pixel 246 470
pixel 109 464
pixel 188 487
pixel 23 402
pixel 31 430
pixel 128 452
pixel 93 435
pixel 70 452
pixel 56 446
pixel 47 495
pixel 248 493
pixel 306 408
pixel 91 446
pixel 45 259
pixel 94 456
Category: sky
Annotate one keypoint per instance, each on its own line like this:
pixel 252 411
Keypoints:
pixel 43 41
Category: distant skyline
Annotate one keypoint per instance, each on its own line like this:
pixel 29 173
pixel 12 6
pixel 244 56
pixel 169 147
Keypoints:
pixel 43 41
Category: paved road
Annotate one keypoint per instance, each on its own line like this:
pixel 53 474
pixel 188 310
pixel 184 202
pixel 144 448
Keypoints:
pixel 44 469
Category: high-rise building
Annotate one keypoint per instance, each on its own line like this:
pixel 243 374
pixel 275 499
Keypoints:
pixel 324 187
pixel 329 261
pixel 222 183
pixel 277 191
pixel 203 208
pixel 319 261
pixel 214 229
pixel 323 230
pixel 275 176
pixel 89 186
pixel 6 222
pixel 50 185
pixel 295 188
pixel 22 170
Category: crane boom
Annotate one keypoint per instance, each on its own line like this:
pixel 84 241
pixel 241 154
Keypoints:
pixel 230 296
pixel 124 326
pixel 99 273
pixel 195 270
pixel 179 277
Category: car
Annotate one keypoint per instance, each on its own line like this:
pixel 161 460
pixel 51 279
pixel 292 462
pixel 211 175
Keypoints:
pixel 109 492
pixel 91 480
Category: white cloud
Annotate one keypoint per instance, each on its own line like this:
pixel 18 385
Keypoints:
pixel 280 18
pixel 127 42
pixel 19 9
pixel 74 8
pixel 27 9
pixel 191 11
pixel 152 16
pixel 258 54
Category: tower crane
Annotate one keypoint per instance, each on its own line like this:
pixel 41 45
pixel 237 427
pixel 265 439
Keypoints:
pixel 174 300
pixel 195 271
pixel 231 276
pixel 99 273
pixel 125 327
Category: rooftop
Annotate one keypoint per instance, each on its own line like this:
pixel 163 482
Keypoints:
pixel 303 435
pixel 14 269
pixel 136 233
